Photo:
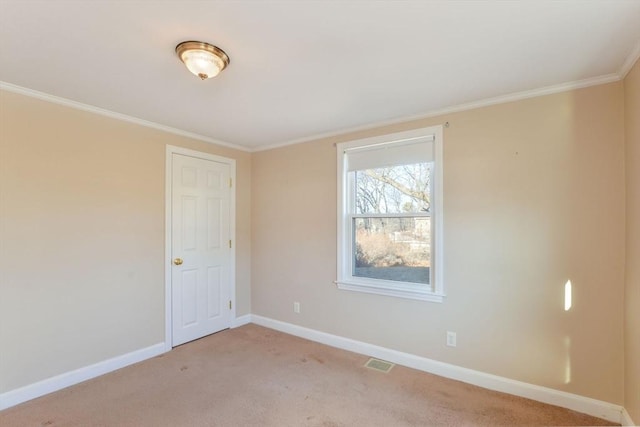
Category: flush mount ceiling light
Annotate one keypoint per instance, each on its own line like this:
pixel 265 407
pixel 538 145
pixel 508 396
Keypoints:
pixel 202 59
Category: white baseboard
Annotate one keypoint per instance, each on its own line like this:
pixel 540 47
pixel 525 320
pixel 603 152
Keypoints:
pixel 585 405
pixel 241 321
pixel 626 419
pixel 31 391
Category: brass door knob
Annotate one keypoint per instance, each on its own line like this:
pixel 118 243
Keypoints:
pixel 177 261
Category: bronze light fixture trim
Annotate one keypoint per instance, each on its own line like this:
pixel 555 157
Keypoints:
pixel 202 59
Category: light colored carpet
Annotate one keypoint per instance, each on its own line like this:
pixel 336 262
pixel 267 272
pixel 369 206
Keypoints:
pixel 253 376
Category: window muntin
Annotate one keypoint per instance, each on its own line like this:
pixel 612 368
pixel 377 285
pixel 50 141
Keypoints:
pixel 395 248
pixel 388 234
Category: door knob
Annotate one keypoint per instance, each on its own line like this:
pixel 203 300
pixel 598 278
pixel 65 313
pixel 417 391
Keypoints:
pixel 177 261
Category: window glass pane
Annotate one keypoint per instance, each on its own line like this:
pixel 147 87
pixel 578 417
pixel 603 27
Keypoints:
pixel 396 189
pixel 393 248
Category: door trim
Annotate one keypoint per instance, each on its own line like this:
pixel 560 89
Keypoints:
pixel 170 151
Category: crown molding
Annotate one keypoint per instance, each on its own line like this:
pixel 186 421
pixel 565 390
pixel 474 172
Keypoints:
pixel 114 115
pixel 630 61
pixel 516 96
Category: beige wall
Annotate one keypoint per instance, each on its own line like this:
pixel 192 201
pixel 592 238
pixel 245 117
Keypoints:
pixel 534 196
pixel 82 237
pixel 632 290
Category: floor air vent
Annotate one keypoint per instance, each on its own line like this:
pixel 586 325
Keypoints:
pixel 379 365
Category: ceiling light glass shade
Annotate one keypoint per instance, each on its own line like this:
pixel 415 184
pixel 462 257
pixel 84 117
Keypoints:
pixel 202 59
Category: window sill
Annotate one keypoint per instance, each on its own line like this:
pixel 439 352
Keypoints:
pixel 371 288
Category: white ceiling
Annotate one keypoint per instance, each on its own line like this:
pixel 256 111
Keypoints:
pixel 301 69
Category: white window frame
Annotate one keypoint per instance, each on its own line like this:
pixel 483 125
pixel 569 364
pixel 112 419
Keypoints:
pixel 345 280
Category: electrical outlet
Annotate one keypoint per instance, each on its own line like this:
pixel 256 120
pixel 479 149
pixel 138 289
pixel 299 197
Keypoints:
pixel 451 339
pixel 296 307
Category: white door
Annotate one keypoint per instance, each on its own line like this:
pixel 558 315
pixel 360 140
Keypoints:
pixel 200 246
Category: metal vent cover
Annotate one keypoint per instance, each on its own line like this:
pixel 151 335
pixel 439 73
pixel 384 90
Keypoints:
pixel 379 365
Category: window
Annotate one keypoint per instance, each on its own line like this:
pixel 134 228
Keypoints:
pixel 390 215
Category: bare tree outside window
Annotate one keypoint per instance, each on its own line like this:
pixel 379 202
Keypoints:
pixel 395 247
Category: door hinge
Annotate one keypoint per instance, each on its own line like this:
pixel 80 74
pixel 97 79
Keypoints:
pixel 230 182
pixel 229 304
pixel 229 243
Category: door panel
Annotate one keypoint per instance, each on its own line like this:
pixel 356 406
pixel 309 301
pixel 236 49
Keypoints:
pixel 189 297
pixel 199 237
pixel 189 223
pixel 214 287
pixel 214 233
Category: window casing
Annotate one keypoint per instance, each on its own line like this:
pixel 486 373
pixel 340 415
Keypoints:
pixel 390 215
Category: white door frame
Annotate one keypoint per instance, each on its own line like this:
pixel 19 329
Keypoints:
pixel 171 150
